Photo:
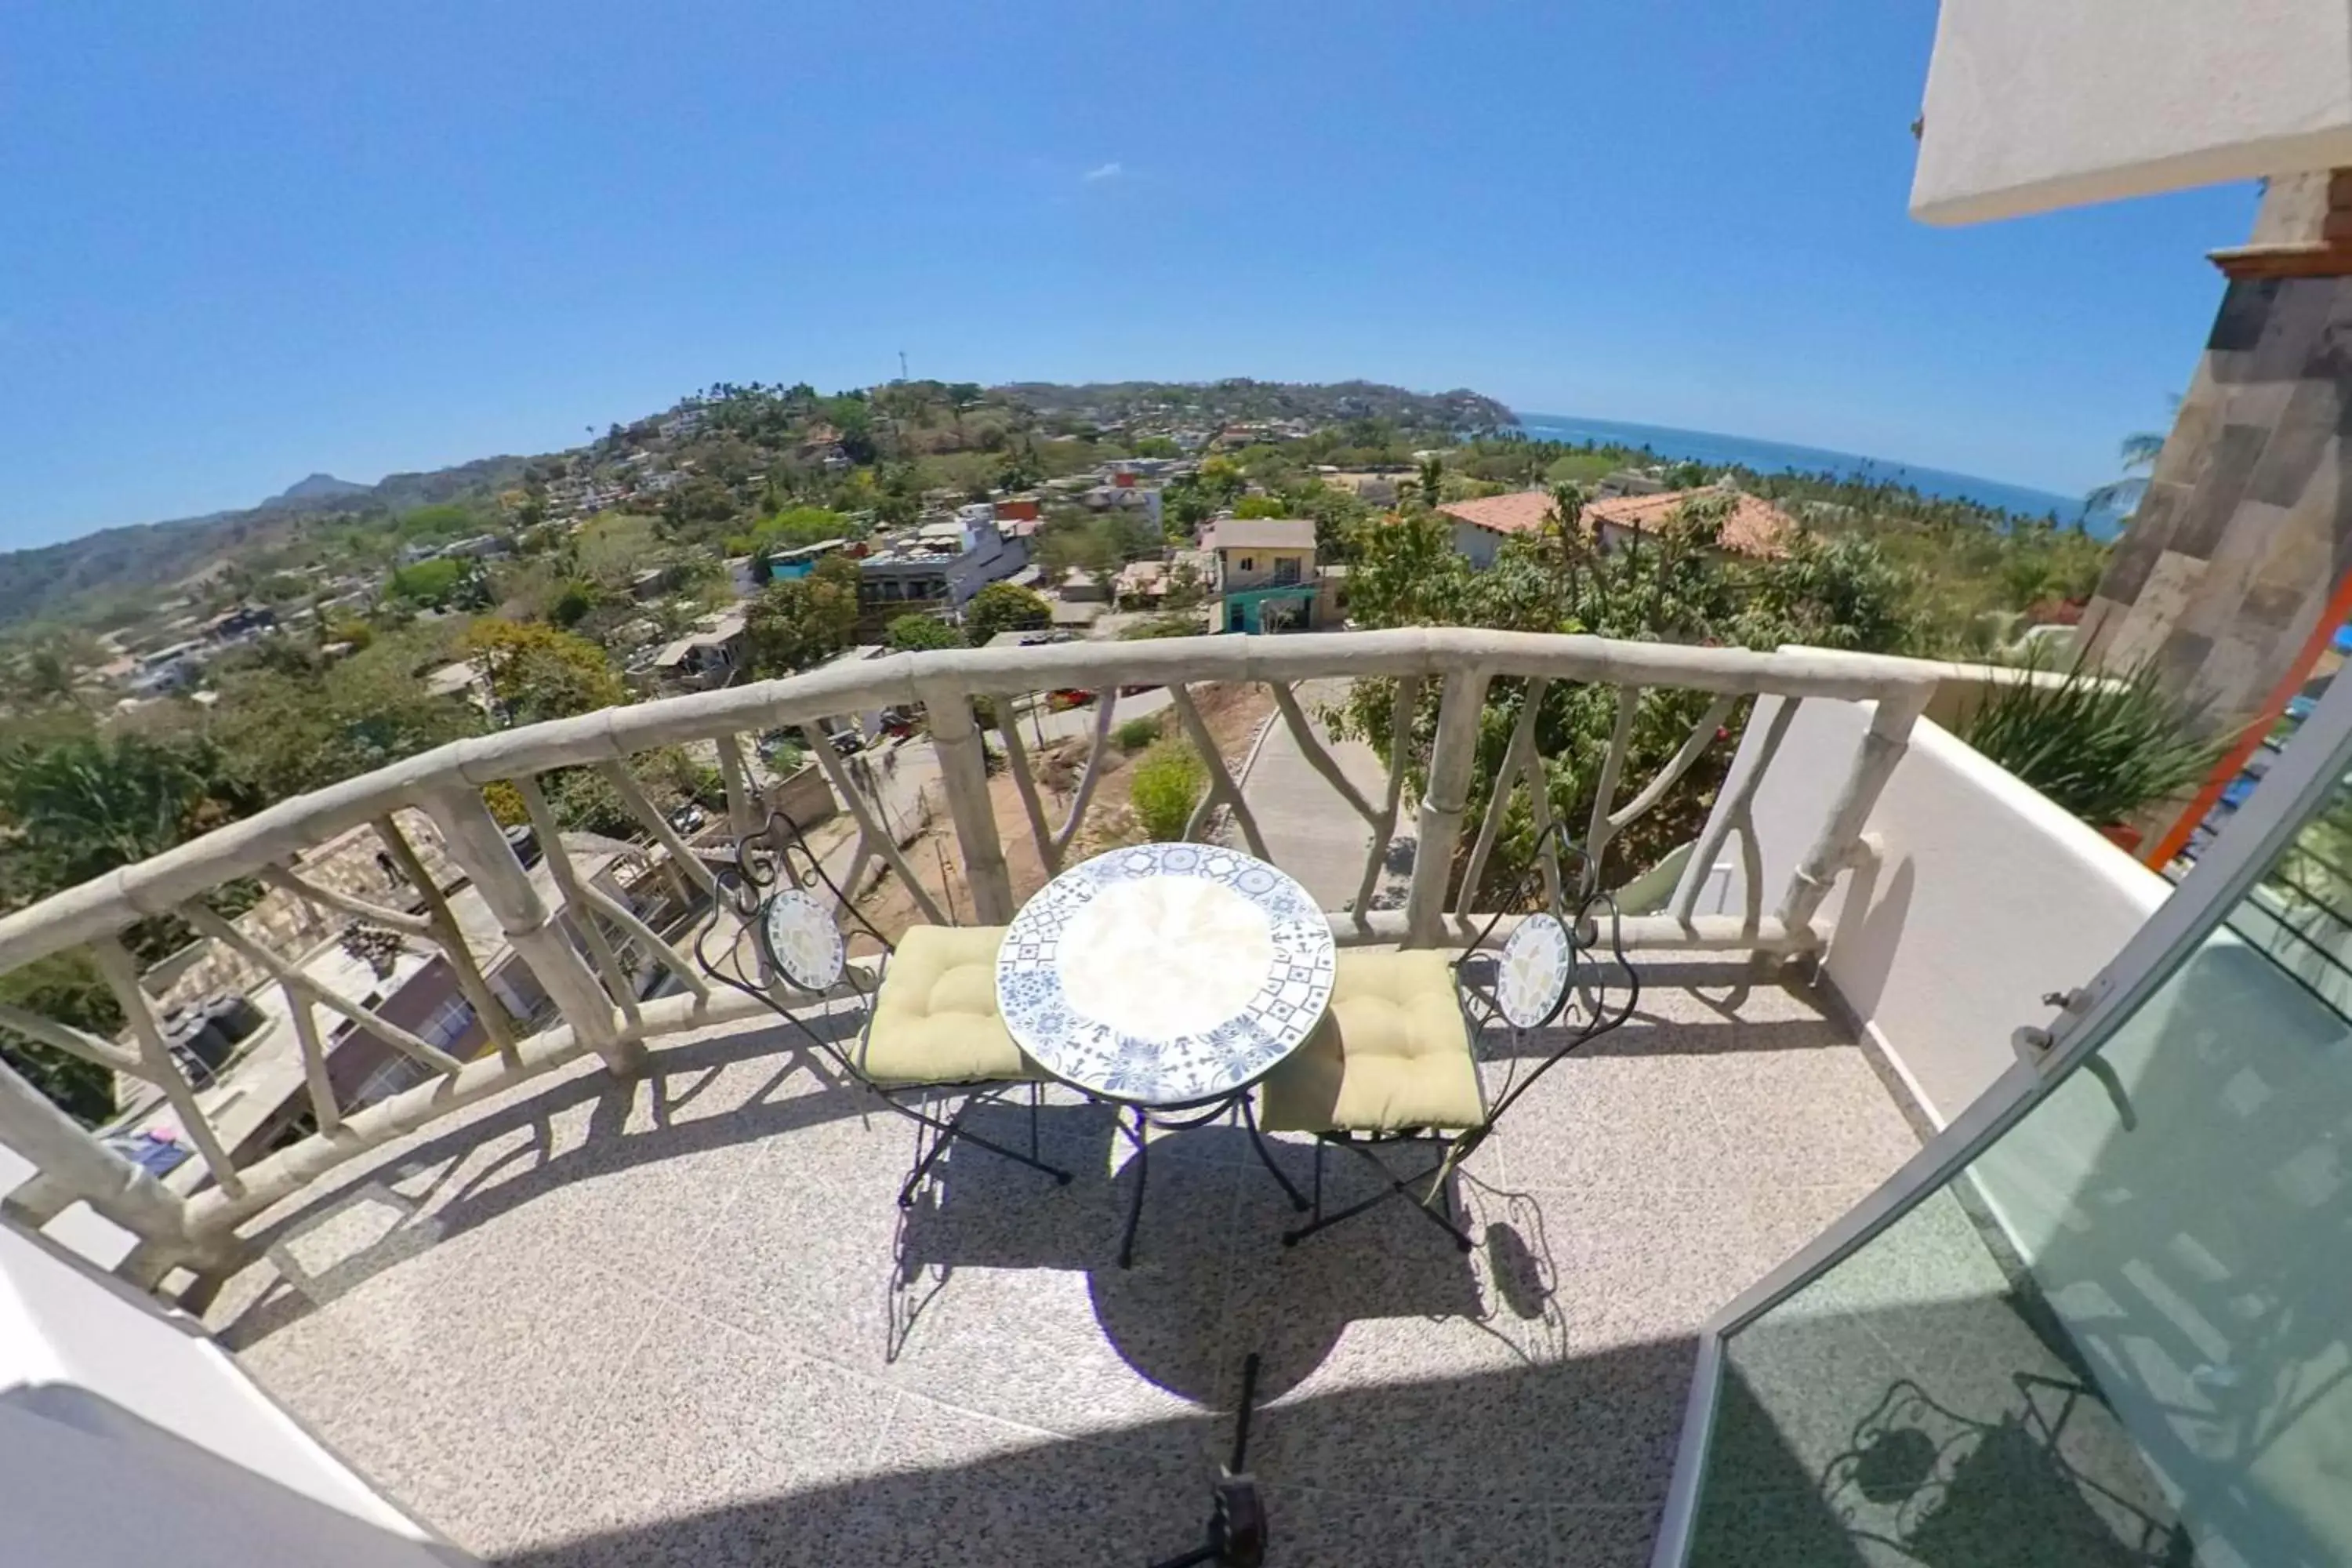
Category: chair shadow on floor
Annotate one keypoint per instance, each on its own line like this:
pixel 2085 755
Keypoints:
pixel 1212 1281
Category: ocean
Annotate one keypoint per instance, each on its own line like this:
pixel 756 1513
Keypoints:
pixel 1774 457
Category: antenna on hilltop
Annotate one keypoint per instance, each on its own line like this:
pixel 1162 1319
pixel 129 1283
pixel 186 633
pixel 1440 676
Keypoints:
pixel 902 364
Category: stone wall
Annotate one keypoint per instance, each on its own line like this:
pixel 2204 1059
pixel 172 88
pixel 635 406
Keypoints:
pixel 2245 532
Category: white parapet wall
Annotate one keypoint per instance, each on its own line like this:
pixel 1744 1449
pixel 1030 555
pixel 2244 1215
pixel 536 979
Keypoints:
pixel 127 1437
pixel 1982 899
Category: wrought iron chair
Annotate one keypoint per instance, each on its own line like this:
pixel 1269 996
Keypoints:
pixel 926 1005
pixel 1396 1061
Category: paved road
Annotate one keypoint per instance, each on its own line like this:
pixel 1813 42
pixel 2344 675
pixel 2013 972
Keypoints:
pixel 1310 830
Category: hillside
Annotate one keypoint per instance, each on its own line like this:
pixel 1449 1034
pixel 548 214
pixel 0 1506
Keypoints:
pixel 316 487
pixel 99 576
pixel 1239 400
pixel 55 581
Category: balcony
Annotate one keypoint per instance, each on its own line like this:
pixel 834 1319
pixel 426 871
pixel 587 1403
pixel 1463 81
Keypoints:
pixel 632 1287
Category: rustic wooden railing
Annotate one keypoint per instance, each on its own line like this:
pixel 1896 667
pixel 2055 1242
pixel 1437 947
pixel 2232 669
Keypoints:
pixel 568 942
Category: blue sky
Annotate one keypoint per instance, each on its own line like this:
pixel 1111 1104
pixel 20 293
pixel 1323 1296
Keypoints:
pixel 249 241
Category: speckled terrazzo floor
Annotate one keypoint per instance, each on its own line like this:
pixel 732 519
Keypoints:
pixel 682 1321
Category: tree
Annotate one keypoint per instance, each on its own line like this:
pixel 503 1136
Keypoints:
pixel 2138 453
pixel 916 632
pixel 64 987
pixel 1220 478
pixel 537 673
pixel 1003 607
pixel 1260 506
pixel 796 623
pixel 1842 593
pixel 1433 481
pixel 86 804
pixel 444 583
pixel 285 734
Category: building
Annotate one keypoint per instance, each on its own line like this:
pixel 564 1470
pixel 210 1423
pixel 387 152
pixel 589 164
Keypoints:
pixel 1755 528
pixel 939 568
pixel 240 622
pixel 172 668
pixel 708 657
pixel 463 678
pixel 1266 575
pixel 790 565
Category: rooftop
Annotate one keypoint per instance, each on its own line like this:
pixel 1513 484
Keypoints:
pixel 1262 534
pixel 1755 528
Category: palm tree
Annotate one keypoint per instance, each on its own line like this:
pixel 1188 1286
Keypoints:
pixel 89 805
pixel 2138 453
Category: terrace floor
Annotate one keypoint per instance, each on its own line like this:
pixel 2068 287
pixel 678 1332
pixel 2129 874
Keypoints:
pixel 682 1321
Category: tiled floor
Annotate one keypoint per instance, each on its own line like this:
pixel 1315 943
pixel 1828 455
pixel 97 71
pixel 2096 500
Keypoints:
pixel 682 1321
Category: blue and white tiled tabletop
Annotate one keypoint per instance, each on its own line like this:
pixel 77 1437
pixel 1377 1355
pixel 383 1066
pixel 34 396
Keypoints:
pixel 1165 974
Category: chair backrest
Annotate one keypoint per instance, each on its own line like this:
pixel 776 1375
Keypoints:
pixel 774 895
pixel 1563 967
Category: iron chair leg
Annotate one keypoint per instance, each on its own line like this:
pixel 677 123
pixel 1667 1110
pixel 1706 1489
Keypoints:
pixel 1398 1187
pixel 1257 1141
pixel 946 1133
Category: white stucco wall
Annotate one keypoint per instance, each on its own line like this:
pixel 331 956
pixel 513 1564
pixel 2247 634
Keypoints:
pixel 1985 896
pixel 2031 106
pixel 126 1433
pixel 1479 546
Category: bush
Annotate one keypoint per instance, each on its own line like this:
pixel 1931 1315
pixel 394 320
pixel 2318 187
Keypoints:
pixel 2101 746
pixel 1167 786
pixel 1003 607
pixel 1169 626
pixel 916 632
pixel 1136 733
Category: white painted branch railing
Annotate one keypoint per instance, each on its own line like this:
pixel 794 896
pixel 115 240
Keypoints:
pixel 565 930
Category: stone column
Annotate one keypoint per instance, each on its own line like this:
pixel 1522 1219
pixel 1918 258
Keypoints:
pixel 2233 562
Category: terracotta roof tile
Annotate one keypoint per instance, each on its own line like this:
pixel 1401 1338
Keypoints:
pixel 1755 528
pixel 1524 512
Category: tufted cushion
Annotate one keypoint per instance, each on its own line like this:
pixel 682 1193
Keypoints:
pixel 1393 1053
pixel 935 1020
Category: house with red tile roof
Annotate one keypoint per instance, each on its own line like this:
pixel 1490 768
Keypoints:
pixel 1756 529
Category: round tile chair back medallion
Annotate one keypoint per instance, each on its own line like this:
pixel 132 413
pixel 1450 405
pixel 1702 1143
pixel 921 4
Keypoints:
pixel 1165 973
pixel 804 940
pixel 1533 978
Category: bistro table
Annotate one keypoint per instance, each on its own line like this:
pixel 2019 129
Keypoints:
pixel 1167 979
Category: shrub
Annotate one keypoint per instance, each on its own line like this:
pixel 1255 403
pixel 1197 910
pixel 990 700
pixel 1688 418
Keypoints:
pixel 1003 607
pixel 916 632
pixel 1136 733
pixel 2101 746
pixel 1168 626
pixel 1167 786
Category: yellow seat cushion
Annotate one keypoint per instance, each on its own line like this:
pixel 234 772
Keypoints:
pixel 1393 1052
pixel 935 1019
